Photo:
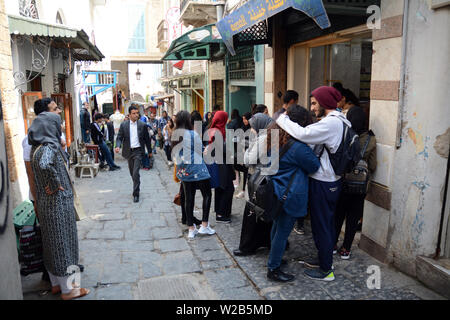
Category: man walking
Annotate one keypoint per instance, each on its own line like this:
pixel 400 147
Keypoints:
pixel 324 185
pixel 146 165
pixel 162 123
pixel 133 137
pixel 99 139
pixel 108 132
pixel 85 122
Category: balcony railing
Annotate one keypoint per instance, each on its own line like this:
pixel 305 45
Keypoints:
pixel 162 35
pixel 185 3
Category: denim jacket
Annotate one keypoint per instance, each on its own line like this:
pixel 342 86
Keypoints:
pixel 187 169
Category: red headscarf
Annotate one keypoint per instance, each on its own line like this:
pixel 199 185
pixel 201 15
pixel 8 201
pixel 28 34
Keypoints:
pixel 219 122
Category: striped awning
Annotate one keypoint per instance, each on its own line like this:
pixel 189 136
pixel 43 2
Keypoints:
pixel 60 34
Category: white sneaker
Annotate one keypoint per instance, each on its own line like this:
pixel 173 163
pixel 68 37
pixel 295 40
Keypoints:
pixel 207 230
pixel 192 233
pixel 240 194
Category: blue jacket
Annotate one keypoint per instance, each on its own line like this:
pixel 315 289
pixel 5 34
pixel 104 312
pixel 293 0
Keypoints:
pixel 301 161
pixel 187 169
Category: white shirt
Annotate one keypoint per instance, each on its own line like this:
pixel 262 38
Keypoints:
pixel 134 139
pixel 27 157
pixel 328 131
pixel 26 149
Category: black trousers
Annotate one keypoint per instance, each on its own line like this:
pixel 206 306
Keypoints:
pixel 189 195
pixel 168 151
pixel 134 164
pixel 350 208
pixel 223 200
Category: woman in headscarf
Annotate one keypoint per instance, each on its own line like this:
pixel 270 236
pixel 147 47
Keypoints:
pixel 223 195
pixel 255 233
pixel 239 167
pixel 55 203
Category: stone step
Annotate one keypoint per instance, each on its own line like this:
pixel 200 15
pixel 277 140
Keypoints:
pixel 435 274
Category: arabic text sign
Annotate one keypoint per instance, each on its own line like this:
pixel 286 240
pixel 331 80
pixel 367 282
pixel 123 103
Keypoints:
pixel 256 11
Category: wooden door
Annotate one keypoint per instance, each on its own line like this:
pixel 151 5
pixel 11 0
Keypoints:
pixel 65 101
pixel 198 103
pixel 28 99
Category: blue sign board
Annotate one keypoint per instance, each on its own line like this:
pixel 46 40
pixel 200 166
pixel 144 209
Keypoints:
pixel 256 11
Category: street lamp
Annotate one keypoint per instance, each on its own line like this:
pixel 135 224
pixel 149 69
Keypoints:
pixel 138 74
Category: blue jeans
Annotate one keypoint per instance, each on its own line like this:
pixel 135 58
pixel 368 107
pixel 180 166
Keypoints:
pixel 281 229
pixel 106 154
pixel 86 136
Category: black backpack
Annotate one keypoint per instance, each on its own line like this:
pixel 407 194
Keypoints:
pixel 357 180
pixel 347 155
pixel 263 201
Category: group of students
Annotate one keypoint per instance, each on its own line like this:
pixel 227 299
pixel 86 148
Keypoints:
pixel 307 140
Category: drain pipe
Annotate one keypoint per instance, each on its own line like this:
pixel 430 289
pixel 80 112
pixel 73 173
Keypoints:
pixel 401 105
pixel 221 53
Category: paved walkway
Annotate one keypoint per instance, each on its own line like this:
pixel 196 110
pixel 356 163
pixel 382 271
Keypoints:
pixel 140 251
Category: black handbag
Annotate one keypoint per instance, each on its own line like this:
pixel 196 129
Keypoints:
pixel 262 198
pixel 30 250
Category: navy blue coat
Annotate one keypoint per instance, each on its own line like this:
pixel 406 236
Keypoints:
pixel 301 161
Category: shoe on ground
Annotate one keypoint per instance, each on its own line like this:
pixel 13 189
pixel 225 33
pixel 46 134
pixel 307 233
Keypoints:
pixel 240 253
pixel 206 230
pixel 335 250
pixel 136 199
pixel 170 163
pixel 279 276
pixel 318 274
pixel 221 219
pixel 345 255
pixel 192 233
pixel 299 230
pixel 240 195
pixel 116 167
pixel 113 169
pixel 312 263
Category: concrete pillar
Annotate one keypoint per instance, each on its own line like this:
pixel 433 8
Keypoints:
pixel 10 283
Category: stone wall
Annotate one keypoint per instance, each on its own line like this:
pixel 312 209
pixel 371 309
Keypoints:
pixel 9 268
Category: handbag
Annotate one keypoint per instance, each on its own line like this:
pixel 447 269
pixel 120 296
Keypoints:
pixel 262 198
pixel 177 199
pixel 30 250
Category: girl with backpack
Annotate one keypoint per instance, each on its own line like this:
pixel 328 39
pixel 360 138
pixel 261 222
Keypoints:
pixel 193 175
pixel 291 187
pixel 350 206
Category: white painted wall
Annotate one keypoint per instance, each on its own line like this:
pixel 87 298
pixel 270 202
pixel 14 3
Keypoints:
pixel 419 170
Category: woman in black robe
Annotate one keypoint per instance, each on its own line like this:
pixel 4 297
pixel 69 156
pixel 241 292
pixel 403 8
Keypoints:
pixel 255 233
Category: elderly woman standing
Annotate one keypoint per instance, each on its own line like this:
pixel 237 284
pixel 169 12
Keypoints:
pixel 55 203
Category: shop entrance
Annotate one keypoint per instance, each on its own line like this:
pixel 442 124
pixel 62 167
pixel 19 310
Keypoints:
pixel 344 57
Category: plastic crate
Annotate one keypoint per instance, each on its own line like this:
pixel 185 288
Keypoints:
pixel 24 214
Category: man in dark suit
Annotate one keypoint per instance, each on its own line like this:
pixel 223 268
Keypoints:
pixel 99 139
pixel 133 137
pixel 108 133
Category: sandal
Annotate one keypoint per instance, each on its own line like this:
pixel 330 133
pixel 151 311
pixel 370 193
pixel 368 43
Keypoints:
pixel 57 289
pixel 73 294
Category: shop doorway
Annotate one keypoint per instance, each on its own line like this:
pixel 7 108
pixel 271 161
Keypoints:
pixel 217 93
pixel 344 57
pixel 197 100
pixel 64 100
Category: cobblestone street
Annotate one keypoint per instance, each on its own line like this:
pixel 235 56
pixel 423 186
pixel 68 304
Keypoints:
pixel 140 251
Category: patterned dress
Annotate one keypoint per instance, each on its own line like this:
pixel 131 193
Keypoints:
pixel 56 212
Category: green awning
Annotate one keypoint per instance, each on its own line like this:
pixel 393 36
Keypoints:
pixel 84 50
pixel 194 45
